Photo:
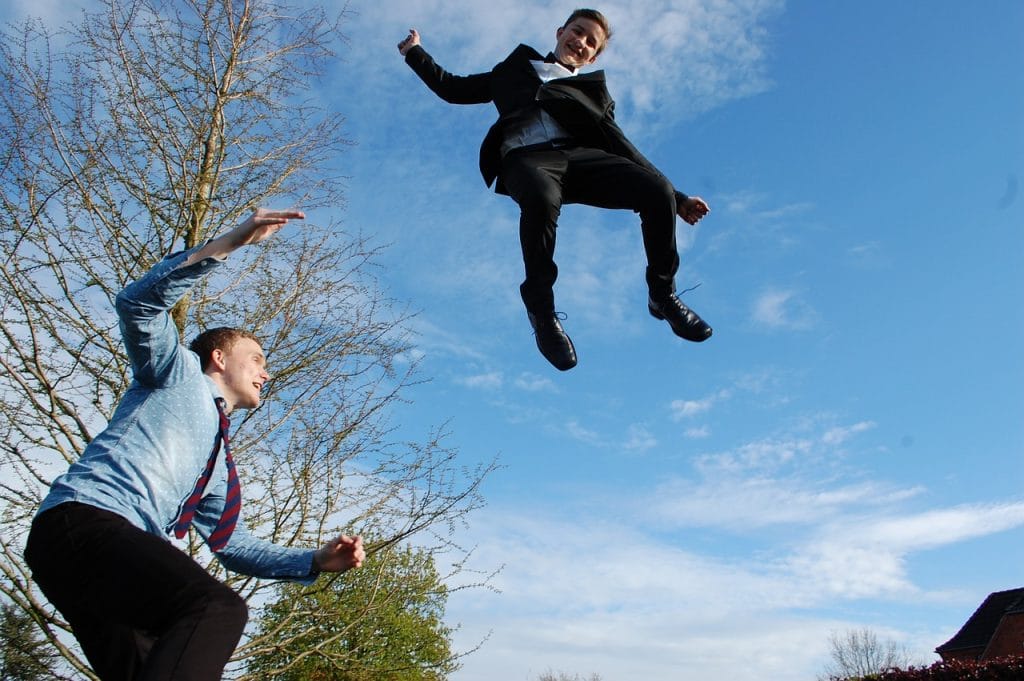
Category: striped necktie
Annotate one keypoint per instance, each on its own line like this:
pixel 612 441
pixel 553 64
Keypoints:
pixel 233 498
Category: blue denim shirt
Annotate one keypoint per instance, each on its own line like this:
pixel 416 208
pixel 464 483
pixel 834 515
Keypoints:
pixel 146 461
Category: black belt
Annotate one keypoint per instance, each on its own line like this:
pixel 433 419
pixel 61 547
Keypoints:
pixel 560 143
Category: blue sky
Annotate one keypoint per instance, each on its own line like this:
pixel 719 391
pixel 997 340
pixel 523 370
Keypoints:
pixel 845 452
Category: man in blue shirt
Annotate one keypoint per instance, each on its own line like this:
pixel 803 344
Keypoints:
pixel 140 607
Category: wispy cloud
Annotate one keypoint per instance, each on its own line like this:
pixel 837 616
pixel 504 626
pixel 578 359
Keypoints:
pixel 840 434
pixel 600 589
pixel 635 580
pixel 719 52
pixel 782 308
pixel 584 434
pixel 760 207
pixel 757 220
pixel 869 255
pixel 432 338
pixel 788 478
pixel 937 527
pixel 769 453
pixel 866 556
pixel 640 439
pixel 534 383
pixel 697 432
pixel 53 13
pixel 492 380
pixel 684 409
pixel 744 503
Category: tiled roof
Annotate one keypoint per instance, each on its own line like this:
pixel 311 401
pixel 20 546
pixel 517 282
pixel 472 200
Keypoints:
pixel 978 630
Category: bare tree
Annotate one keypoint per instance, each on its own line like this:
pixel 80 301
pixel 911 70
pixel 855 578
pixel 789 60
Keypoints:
pixel 153 125
pixel 859 652
pixel 563 676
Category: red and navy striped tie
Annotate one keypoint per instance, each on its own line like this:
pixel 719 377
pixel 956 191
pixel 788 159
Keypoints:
pixel 233 499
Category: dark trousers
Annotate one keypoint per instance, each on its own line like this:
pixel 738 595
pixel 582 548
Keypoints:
pixel 141 609
pixel 541 181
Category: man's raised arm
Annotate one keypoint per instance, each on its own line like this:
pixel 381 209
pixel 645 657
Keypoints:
pixel 473 89
pixel 261 225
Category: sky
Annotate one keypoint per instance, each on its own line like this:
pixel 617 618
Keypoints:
pixel 845 452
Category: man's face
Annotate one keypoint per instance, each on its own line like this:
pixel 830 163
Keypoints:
pixel 578 42
pixel 244 373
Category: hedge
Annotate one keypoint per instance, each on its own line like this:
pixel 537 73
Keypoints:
pixel 1001 669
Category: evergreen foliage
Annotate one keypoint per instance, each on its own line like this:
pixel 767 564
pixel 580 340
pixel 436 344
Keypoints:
pixel 383 621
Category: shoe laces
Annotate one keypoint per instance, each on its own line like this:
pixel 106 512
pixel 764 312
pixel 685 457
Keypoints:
pixel 687 290
pixel 542 320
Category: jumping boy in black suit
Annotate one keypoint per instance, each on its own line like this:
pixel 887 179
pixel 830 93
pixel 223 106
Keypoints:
pixel 556 141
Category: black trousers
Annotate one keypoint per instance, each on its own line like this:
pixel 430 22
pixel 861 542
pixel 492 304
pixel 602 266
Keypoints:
pixel 141 609
pixel 541 181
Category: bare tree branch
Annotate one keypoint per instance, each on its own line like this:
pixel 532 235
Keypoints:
pixel 155 125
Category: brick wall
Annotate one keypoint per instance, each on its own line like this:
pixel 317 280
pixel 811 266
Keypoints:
pixel 1008 638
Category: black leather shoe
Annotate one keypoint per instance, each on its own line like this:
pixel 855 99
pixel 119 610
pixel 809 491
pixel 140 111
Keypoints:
pixel 685 322
pixel 552 341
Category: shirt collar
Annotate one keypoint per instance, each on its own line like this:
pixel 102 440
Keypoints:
pixel 549 71
pixel 214 390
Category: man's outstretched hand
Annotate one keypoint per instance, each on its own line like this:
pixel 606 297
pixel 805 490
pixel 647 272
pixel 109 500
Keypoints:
pixel 693 209
pixel 261 225
pixel 410 41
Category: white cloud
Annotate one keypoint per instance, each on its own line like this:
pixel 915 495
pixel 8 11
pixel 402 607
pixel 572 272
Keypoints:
pixel 938 527
pixel 651 578
pixel 870 255
pixel 640 439
pixel 697 433
pixel 782 308
pixel 492 380
pixel 751 205
pixel 53 13
pixel 586 435
pixel 637 578
pixel 746 503
pixel 766 454
pixel 684 409
pixel 867 556
pixel 534 383
pixel 718 51
pixel 840 434
pixel 431 338
pixel 778 480
pixel 610 593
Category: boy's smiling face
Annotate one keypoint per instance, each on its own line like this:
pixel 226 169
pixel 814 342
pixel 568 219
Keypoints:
pixel 578 43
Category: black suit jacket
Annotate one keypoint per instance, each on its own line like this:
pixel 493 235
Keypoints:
pixel 581 104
